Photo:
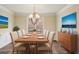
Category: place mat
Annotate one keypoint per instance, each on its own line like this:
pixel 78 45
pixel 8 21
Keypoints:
pixel 24 37
pixel 41 37
pixel 40 34
pixel 29 34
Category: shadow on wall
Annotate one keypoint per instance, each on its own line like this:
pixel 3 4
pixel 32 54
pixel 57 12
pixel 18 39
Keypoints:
pixel 4 37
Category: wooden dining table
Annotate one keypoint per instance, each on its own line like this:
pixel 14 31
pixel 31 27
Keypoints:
pixel 34 38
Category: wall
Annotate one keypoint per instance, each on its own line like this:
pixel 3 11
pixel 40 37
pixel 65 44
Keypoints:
pixel 4 33
pixel 49 22
pixel 69 10
pixel 21 21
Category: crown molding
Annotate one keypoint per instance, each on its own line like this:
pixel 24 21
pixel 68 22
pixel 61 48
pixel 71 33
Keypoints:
pixel 41 14
pixel 62 10
pixel 48 14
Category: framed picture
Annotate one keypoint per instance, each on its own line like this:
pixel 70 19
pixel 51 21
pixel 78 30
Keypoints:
pixel 3 22
pixel 69 21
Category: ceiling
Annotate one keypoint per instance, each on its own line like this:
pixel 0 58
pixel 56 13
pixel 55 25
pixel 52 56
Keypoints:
pixel 28 8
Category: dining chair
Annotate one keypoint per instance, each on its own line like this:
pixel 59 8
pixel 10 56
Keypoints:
pixel 23 32
pixel 47 34
pixel 19 33
pixel 51 39
pixel 16 47
pixel 44 32
pixel 47 46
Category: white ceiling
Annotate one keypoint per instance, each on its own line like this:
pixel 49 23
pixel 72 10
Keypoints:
pixel 28 8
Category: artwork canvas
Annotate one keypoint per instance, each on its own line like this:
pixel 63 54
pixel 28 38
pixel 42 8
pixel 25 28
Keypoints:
pixel 3 22
pixel 69 21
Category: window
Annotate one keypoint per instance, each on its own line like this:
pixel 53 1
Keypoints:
pixel 39 25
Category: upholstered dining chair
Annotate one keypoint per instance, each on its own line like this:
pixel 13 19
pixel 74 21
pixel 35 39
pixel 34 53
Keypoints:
pixel 47 46
pixel 51 39
pixel 23 32
pixel 19 33
pixel 47 34
pixel 44 32
pixel 16 47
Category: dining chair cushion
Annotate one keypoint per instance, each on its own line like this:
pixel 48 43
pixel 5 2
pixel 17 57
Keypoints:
pixel 44 47
pixel 20 48
pixel 19 44
pixel 32 46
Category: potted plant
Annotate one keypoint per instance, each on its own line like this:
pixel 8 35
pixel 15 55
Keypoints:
pixel 34 30
pixel 16 28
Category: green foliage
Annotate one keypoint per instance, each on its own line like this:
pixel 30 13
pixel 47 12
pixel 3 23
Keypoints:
pixel 16 28
pixel 34 30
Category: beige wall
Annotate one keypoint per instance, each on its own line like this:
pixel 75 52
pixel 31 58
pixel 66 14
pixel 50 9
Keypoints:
pixel 49 22
pixel 21 21
pixel 67 11
pixel 5 33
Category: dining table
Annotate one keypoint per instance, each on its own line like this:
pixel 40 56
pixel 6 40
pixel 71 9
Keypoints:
pixel 32 39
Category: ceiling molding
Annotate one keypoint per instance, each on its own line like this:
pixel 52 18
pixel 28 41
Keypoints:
pixel 48 14
pixel 62 10
pixel 42 14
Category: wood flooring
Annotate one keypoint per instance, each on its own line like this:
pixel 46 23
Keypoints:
pixel 57 49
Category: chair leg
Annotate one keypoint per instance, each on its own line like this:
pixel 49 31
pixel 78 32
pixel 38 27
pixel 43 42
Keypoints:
pixel 51 51
pixel 13 52
pixel 17 51
pixel 36 48
pixel 26 50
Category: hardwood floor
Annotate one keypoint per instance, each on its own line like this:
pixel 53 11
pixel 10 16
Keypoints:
pixel 57 49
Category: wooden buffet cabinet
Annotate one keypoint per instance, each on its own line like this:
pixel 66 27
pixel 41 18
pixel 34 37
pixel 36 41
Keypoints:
pixel 68 41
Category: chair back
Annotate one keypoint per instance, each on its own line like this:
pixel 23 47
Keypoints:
pixel 44 32
pixel 14 36
pixel 23 32
pixel 47 34
pixel 19 33
pixel 51 37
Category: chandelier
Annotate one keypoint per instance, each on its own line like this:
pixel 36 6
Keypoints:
pixel 34 17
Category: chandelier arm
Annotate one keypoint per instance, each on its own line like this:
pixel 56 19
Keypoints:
pixel 34 17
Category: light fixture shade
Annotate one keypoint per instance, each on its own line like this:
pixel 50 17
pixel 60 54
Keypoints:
pixel 34 17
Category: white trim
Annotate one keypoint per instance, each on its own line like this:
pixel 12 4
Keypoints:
pixel 27 14
pixel 68 6
pixel 27 24
pixel 48 14
pixel 43 23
